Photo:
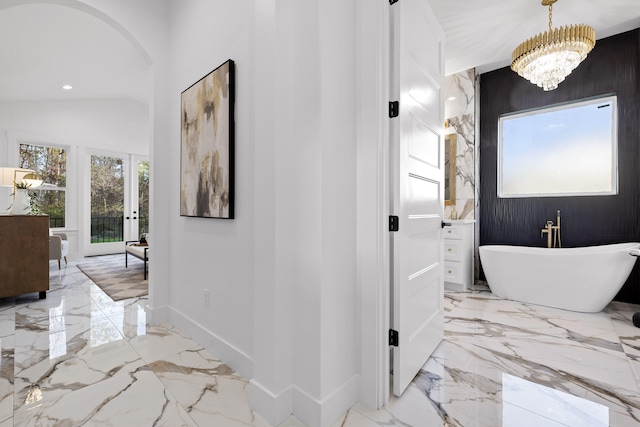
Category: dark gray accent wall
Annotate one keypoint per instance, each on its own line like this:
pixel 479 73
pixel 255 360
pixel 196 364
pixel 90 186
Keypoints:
pixel 612 67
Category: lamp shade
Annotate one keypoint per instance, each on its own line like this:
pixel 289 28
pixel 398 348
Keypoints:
pixel 32 180
pixel 9 176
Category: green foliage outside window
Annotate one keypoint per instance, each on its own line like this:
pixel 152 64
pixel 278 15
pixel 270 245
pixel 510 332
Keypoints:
pixel 50 163
pixel 107 190
pixel 107 187
pixel 143 197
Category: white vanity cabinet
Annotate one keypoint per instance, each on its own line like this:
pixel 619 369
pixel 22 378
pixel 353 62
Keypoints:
pixel 458 255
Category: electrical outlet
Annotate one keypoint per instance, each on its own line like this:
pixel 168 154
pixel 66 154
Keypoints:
pixel 207 297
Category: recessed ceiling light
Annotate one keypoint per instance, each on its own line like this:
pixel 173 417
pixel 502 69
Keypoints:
pixel 67 87
pixel 451 98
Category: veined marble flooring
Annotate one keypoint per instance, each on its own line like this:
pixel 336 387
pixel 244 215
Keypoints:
pixel 79 359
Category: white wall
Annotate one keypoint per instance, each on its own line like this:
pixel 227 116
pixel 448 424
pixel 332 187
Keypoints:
pixel 271 390
pixel 117 124
pixel 209 253
pixel 282 275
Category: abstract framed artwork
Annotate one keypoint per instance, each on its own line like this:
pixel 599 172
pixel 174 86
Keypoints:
pixel 207 145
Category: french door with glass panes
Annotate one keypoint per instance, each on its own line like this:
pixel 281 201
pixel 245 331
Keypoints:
pixel 116 201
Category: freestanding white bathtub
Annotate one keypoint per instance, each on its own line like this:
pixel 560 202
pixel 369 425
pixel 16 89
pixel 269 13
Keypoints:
pixel 577 279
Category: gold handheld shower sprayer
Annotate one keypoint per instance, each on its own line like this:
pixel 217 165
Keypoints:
pixel 553 232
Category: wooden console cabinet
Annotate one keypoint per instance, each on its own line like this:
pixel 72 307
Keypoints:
pixel 24 255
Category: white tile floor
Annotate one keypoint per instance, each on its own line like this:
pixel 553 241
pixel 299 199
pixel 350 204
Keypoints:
pixel 78 358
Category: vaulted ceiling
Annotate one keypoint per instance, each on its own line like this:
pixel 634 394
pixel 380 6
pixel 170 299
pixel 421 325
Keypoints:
pixel 45 46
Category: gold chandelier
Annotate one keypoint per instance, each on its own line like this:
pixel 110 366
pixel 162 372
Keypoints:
pixel 549 57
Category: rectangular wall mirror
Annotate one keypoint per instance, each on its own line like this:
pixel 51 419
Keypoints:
pixel 450 169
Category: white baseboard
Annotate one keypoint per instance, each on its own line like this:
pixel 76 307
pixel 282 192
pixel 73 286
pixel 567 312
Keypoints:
pixel 235 358
pixel 275 408
pixel 316 413
pixel 157 315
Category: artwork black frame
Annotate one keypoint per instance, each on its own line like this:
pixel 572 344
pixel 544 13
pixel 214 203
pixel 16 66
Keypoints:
pixel 207 145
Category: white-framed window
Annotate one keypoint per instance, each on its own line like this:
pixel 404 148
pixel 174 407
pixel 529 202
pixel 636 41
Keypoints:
pixel 563 150
pixel 50 163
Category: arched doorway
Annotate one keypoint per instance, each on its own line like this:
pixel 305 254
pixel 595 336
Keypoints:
pixel 46 45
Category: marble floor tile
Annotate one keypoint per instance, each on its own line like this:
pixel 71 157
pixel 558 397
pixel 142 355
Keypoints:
pixel 162 341
pixel 572 366
pixel 81 367
pixel 6 377
pixel 135 399
pixel 289 422
pixel 352 418
pixel 621 316
pixel 79 358
pixel 210 391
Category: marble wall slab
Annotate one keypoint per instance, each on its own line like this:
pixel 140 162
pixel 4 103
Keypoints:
pixel 460 115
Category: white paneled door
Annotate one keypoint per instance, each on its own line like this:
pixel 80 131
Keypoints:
pixel 417 187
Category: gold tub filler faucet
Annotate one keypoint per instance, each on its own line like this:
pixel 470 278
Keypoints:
pixel 553 233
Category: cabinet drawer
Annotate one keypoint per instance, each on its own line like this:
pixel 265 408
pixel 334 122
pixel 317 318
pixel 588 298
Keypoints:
pixel 453 250
pixel 453 272
pixel 452 232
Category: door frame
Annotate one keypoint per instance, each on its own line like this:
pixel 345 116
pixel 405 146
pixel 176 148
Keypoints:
pixel 373 198
pixel 129 159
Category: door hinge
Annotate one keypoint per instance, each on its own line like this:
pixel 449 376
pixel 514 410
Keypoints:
pixel 394 223
pixel 394 109
pixel 393 337
pixel 392 2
